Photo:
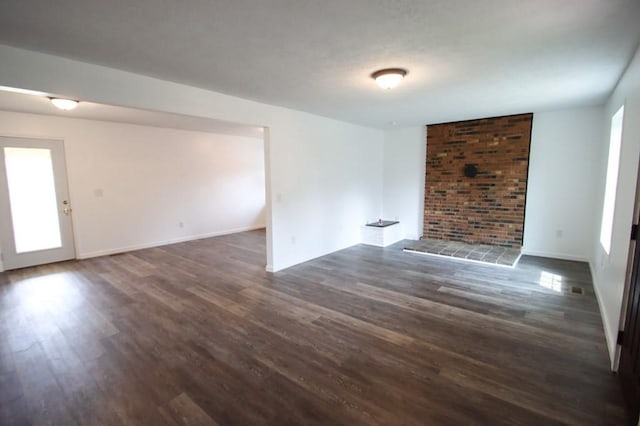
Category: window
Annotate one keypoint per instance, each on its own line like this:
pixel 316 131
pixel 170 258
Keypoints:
pixel 613 165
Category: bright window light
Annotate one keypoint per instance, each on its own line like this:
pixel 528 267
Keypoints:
pixel 32 197
pixel 613 165
pixel 551 281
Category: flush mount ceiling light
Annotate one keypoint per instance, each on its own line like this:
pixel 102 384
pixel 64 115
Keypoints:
pixel 64 104
pixel 389 78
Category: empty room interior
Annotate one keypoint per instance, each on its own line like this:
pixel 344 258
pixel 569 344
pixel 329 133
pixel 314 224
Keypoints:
pixel 317 213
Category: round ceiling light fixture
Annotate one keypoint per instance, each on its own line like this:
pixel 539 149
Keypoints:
pixel 389 78
pixel 64 104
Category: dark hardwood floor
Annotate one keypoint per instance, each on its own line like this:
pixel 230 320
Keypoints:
pixel 199 333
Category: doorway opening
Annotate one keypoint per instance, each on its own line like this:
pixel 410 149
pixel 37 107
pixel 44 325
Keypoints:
pixel 139 178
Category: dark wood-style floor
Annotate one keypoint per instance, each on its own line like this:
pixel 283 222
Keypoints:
pixel 199 333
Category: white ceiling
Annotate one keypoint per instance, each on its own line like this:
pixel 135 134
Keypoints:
pixel 466 58
pixel 91 111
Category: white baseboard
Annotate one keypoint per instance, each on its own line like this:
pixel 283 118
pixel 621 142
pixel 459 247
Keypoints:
pixel 610 335
pixel 108 252
pixel 552 255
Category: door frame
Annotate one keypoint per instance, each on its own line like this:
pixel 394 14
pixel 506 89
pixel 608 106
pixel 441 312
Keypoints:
pixel 6 230
pixel 633 252
pixel 632 258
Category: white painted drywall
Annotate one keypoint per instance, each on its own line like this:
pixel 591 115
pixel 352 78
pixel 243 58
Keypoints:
pixel 323 175
pixel 561 199
pixel 131 186
pixel 609 271
pixel 404 173
pixel 324 186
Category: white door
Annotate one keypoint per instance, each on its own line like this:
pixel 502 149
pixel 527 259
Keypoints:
pixel 35 213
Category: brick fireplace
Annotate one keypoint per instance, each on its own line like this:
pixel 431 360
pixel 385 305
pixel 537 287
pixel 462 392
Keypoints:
pixel 476 181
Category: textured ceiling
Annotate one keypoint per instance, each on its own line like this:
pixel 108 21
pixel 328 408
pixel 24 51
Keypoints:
pixel 466 58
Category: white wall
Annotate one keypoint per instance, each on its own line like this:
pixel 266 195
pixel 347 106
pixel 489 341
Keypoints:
pixel 324 186
pixel 561 196
pixel 609 270
pixel 323 175
pixel 404 172
pixel 131 186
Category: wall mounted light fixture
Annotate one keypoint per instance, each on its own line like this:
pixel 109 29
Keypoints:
pixel 389 78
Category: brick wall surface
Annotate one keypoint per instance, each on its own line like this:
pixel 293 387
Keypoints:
pixel 486 209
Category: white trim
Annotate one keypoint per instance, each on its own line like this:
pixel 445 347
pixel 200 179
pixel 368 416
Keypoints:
pixel 165 242
pixel 269 268
pixel 610 335
pixel 552 255
pixel 460 259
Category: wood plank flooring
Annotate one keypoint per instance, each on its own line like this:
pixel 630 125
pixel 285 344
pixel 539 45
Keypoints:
pixel 199 333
